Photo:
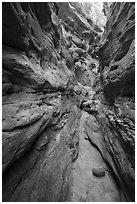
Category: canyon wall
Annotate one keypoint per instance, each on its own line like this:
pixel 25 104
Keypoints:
pixel 118 52
pixel 117 77
pixel 34 105
pixel 66 110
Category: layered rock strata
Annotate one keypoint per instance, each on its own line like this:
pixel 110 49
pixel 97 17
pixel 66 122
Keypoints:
pixel 58 125
pixel 117 77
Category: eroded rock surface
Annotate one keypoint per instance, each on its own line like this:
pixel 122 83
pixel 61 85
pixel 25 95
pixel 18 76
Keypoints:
pixel 118 51
pixel 57 123
pixel 117 74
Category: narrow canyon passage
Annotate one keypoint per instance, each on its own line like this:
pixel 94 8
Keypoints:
pixel 47 166
pixel 85 186
pixel 68 101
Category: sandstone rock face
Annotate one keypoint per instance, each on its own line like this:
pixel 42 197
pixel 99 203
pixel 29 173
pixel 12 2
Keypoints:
pixel 33 79
pixel 92 11
pixel 117 67
pixel 30 69
pixel 118 52
pixel 38 101
pixel 80 17
pixel 72 18
pixel 57 123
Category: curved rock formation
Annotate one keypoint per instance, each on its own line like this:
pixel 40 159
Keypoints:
pixel 65 113
pixel 117 69
pixel 118 52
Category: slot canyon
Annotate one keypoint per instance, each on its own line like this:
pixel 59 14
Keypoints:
pixel 68 101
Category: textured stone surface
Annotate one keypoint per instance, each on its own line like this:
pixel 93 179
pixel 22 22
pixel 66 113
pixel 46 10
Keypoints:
pixel 38 147
pixel 118 79
pixel 117 145
pixel 99 172
pixel 57 125
pixel 26 75
pixel 85 186
pixel 43 173
pixel 118 51
pixel 116 112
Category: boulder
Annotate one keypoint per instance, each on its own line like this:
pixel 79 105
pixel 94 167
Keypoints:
pixel 99 172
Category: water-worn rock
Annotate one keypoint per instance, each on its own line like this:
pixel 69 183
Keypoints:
pixel 57 125
pixel 43 173
pixel 85 186
pixel 118 52
pixel 92 11
pixel 99 172
pixel 120 141
pixel 68 14
pixel 32 68
pixel 117 67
